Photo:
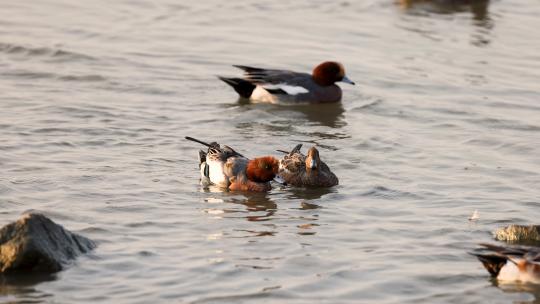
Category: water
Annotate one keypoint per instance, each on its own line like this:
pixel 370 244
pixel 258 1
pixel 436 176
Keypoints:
pixel 445 119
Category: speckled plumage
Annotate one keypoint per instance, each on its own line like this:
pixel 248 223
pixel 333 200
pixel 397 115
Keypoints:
pixel 294 169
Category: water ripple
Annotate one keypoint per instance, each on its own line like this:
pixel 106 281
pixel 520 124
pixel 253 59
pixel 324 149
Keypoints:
pixel 32 52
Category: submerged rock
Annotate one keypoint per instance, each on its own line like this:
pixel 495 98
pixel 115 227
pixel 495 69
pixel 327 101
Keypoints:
pixel 34 243
pixel 519 234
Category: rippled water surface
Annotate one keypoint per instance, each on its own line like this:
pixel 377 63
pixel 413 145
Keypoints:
pixel 445 119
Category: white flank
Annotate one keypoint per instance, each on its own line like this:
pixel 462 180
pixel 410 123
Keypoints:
pixel 216 175
pixel 509 273
pixel 262 95
pixel 289 89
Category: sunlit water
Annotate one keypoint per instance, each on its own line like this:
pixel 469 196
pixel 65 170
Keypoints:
pixel 96 97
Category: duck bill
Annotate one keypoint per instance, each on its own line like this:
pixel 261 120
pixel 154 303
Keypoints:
pixel 312 164
pixel 347 80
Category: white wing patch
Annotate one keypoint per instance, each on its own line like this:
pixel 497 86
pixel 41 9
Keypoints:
pixel 289 89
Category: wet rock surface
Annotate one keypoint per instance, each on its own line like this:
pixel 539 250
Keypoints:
pixel 34 243
pixel 519 234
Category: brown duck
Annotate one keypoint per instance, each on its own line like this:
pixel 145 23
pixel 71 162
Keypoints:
pixel 309 170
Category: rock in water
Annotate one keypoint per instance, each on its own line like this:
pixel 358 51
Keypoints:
pixel 34 243
pixel 519 234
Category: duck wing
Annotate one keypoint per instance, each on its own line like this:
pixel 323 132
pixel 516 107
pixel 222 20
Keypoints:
pixel 328 178
pixel 278 81
pixel 294 150
pixel 292 167
pixel 235 166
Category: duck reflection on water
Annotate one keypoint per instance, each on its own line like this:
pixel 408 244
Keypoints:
pixel 247 203
pixel 479 8
pixel 327 115
pixel 261 207
pixel 308 195
pixel 532 289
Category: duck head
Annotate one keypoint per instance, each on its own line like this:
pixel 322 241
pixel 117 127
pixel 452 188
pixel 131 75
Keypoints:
pixel 313 161
pixel 262 169
pixel 328 73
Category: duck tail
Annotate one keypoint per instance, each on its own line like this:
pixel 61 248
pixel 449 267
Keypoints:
pixel 209 145
pixel 248 69
pixel 493 261
pixel 202 156
pixel 294 150
pixel 243 87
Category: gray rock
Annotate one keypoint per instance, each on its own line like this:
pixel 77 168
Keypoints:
pixel 519 234
pixel 34 243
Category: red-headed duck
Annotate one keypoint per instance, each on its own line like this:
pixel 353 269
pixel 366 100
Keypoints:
pixel 309 170
pixel 510 263
pixel 226 168
pixel 283 86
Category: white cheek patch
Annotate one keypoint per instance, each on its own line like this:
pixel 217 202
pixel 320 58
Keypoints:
pixel 289 89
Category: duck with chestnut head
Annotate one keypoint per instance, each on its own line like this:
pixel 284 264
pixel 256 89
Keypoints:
pixel 284 86
pixel 309 170
pixel 226 168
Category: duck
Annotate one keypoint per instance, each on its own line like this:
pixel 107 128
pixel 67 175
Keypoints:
pixel 222 166
pixel 510 263
pixel 289 87
pixel 301 170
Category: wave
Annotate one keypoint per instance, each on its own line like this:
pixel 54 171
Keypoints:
pixel 30 52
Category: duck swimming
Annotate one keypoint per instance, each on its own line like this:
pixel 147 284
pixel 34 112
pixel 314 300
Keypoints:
pixel 309 170
pixel 226 168
pixel 510 263
pixel 284 86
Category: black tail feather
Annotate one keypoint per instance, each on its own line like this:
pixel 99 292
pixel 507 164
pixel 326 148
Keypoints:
pixel 296 149
pixel 202 156
pixel 243 87
pixel 211 145
pixel 247 69
pixel 492 262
